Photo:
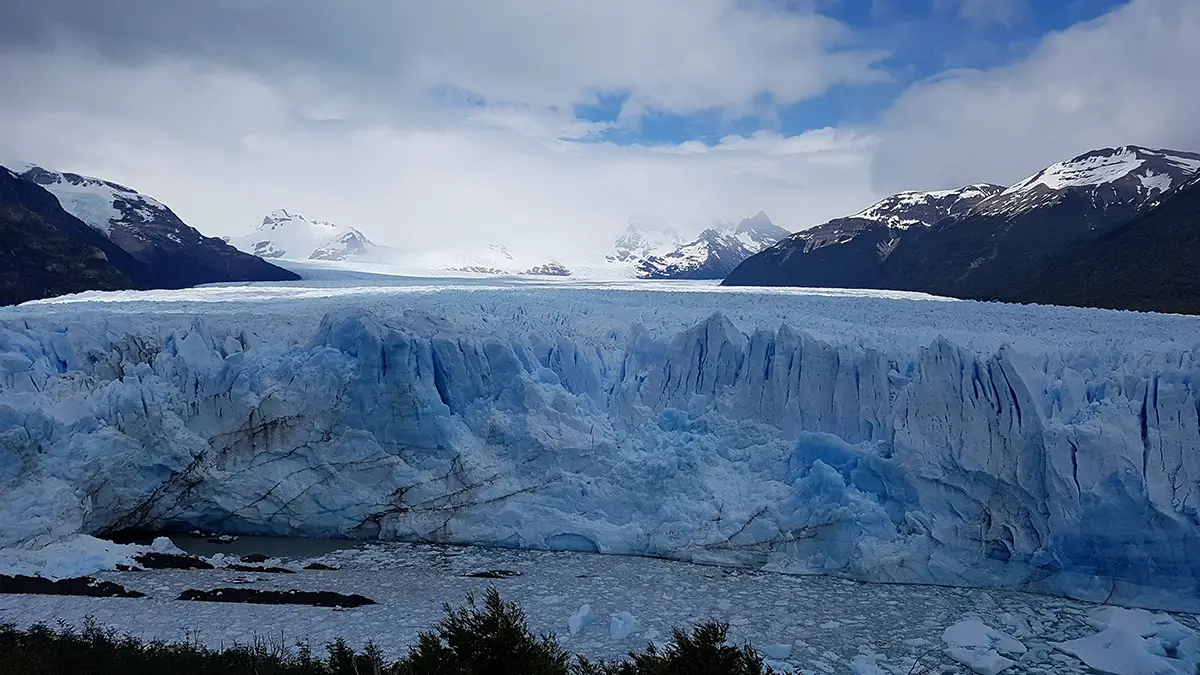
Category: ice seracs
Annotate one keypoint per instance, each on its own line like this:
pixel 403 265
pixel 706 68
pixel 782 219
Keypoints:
pixel 805 434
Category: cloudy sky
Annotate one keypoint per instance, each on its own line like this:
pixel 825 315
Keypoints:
pixel 549 123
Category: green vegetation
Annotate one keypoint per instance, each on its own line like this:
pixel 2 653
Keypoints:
pixel 491 638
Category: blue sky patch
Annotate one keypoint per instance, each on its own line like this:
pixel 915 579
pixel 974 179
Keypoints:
pixel 923 37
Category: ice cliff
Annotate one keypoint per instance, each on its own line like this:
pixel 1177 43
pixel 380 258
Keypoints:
pixel 1072 471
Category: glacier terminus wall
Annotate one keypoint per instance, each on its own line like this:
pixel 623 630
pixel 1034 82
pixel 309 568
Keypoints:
pixel 882 439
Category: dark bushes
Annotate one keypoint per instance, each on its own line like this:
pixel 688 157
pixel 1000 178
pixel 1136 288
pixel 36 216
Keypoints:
pixel 492 638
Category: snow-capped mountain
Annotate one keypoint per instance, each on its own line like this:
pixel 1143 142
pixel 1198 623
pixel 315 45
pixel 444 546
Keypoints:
pixel 351 245
pixel 493 260
pixel 45 251
pixel 639 241
pixel 549 269
pixel 129 218
pixel 715 253
pixel 176 254
pixel 287 235
pixel 913 209
pixel 888 218
pixel 1145 264
pixel 1128 176
pixel 980 241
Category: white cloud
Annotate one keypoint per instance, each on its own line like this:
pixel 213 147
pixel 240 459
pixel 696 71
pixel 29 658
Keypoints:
pixel 223 148
pixel 1125 78
pixel 345 130
pixel 668 55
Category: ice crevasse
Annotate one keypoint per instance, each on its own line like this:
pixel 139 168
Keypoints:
pixel 1074 472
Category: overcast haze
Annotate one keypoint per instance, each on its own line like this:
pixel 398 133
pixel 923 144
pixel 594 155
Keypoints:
pixel 547 124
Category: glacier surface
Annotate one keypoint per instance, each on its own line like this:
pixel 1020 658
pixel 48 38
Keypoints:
pixel 881 437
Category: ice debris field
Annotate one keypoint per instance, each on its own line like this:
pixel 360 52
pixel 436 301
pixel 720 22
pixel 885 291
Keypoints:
pixel 605 606
pixel 885 437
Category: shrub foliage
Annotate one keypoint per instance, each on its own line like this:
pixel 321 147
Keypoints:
pixel 491 638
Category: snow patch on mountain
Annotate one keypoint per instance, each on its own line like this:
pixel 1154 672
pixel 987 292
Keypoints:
pixel 351 244
pixel 1155 182
pixel 283 234
pixel 915 208
pixel 100 203
pixel 1084 171
pixel 895 214
pixel 639 241
pixel 716 252
pixel 549 269
pixel 1126 174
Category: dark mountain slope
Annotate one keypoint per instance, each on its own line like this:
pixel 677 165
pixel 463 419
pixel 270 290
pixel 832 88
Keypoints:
pixel 1014 244
pixel 854 251
pixel 40 260
pixel 1151 263
pixel 177 255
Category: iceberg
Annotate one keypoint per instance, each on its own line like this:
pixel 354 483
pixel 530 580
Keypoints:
pixel 624 422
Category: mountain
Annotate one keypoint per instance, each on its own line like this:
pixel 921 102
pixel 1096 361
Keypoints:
pixel 283 234
pixel 174 255
pixel 350 245
pixel 492 259
pixel 715 253
pixel 856 246
pixel 1114 179
pixel 45 251
pixel 994 247
pixel 1149 263
pixel 639 241
pixel 549 269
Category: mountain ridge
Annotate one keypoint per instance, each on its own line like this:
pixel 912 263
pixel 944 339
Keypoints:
pixel 715 252
pixel 174 254
pixel 47 252
pixel 1009 236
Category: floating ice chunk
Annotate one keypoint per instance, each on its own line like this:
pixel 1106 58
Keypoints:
pixel 164 545
pixel 1136 642
pixel 778 652
pixel 580 619
pixel 866 665
pixel 1020 627
pixel 74 557
pixel 623 624
pixel 980 647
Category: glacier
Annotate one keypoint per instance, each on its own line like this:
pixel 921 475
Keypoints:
pixel 886 437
